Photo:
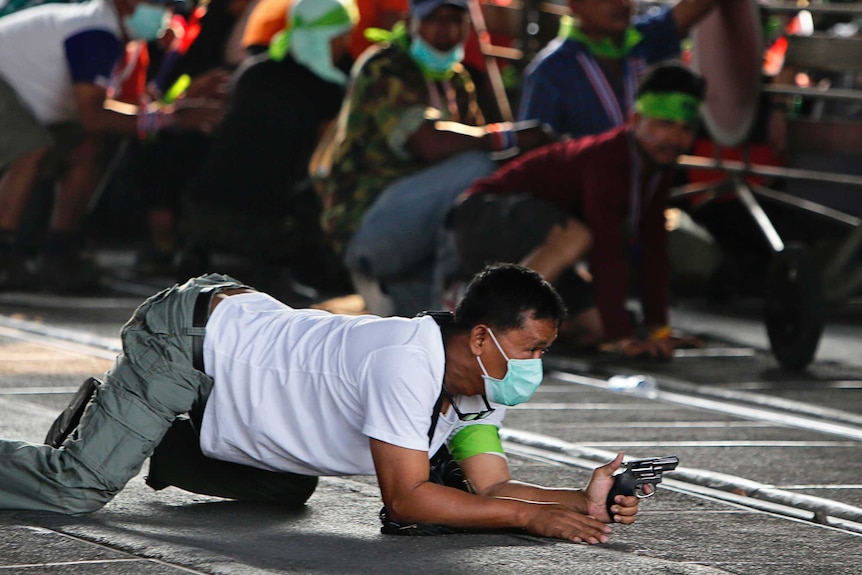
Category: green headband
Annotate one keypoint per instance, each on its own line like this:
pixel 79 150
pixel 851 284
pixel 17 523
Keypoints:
pixel 339 17
pixel 604 48
pixel 676 106
pixel 398 34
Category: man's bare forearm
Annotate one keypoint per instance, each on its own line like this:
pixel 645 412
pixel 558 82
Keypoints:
pixel 573 498
pixel 438 504
pixel 432 503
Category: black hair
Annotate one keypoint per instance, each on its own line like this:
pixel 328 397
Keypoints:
pixel 504 295
pixel 672 76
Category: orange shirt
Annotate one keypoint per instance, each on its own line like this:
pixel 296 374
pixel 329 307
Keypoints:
pixel 267 18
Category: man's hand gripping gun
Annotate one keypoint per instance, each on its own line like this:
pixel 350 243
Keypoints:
pixel 637 475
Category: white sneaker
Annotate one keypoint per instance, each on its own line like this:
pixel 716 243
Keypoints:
pixel 376 301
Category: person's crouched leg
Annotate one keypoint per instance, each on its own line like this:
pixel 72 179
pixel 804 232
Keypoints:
pixel 179 462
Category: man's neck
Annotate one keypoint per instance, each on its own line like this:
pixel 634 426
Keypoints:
pixel 598 36
pixel 460 364
pixel 615 45
pixel 613 67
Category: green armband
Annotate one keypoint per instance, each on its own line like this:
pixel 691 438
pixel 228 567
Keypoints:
pixel 474 440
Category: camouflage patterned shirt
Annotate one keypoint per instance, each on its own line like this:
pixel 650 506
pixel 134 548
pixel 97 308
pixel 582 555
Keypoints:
pixel 389 100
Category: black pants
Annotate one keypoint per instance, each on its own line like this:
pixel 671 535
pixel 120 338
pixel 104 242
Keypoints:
pixel 179 461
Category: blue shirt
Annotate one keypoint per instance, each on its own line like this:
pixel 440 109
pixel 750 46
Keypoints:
pixel 566 87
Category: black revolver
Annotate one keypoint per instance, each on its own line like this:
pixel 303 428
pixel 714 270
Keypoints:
pixel 638 474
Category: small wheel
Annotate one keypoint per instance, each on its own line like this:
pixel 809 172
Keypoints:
pixel 793 307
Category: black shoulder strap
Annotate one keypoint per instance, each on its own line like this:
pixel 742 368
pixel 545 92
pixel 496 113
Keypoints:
pixel 435 417
pixel 443 318
pixel 200 315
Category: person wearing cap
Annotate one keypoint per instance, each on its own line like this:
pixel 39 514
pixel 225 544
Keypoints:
pixel 584 81
pixel 600 197
pixel 247 197
pixel 410 138
pixel 281 396
pixel 56 64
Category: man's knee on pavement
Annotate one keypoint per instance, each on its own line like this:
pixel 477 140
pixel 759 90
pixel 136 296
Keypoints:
pixel 74 489
pixel 86 505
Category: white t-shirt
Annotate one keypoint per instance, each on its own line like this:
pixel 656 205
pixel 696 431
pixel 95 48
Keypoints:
pixel 303 390
pixel 46 49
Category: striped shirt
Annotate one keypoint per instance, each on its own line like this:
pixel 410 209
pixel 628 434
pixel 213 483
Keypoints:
pixel 566 87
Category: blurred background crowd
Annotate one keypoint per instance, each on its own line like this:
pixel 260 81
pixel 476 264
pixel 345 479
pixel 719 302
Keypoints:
pixel 321 145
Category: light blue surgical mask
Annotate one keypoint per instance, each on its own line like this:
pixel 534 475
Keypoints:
pixel 146 21
pixel 435 64
pixel 522 378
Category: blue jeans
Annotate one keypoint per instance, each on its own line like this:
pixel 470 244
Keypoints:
pixel 402 241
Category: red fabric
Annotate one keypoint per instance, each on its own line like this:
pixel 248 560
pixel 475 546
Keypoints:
pixel 762 154
pixel 773 60
pixel 133 87
pixel 192 30
pixel 591 177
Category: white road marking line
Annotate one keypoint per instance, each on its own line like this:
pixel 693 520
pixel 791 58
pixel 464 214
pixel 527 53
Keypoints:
pixel 32 409
pixel 729 489
pixel 132 557
pixel 37 390
pixel 28 299
pixel 727 443
pixel 735 409
pixel 531 406
pixel 665 424
pixel 23 328
pixel 824 486
pixel 69 563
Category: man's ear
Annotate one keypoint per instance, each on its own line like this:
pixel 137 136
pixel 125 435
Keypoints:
pixel 478 339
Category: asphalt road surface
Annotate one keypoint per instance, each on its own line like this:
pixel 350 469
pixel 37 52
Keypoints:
pixel 769 481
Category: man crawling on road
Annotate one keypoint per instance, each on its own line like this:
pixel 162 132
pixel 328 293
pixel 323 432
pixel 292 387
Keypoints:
pixel 241 396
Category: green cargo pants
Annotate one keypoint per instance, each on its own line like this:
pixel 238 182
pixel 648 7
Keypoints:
pixel 151 383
